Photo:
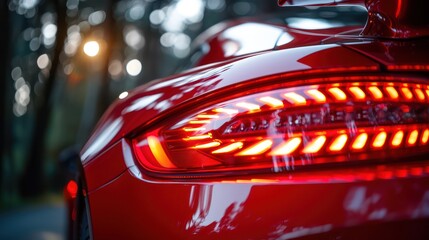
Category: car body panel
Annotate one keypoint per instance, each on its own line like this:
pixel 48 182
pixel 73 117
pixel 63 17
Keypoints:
pixel 112 163
pixel 279 207
pixel 160 96
pixel 396 55
pixel 128 202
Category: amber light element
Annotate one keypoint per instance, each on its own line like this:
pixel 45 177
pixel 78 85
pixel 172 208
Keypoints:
pixel 315 145
pixel 338 143
pixel 357 92
pixel 199 121
pixel 376 119
pixel 392 92
pixel 316 95
pixel 256 149
pixel 158 152
pixel 198 137
pixel 397 138
pixel 338 93
pixel 226 110
pixel 360 141
pixel 425 136
pixel 287 147
pixel 196 129
pixel 379 140
pixel 272 102
pixel 375 92
pixel 248 106
pixel 229 148
pixel 295 98
pixel 407 93
pixel 207 145
pixel 209 116
pixel 419 93
pixel 412 138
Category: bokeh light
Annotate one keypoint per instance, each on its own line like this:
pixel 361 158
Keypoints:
pixel 134 67
pixel 123 95
pixel 96 18
pixel 43 61
pixel 91 48
pixel 115 68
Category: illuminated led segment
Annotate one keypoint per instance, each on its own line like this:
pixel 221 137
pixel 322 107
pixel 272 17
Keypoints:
pixel 375 92
pixel 357 92
pixel 397 138
pixel 419 93
pixel 199 121
pixel 207 145
pixel 407 93
pixel 197 137
pixel 294 98
pixel 425 136
pixel 338 94
pixel 379 140
pixel 226 110
pixel 194 129
pixel 412 138
pixel 339 143
pixel 360 141
pixel 207 116
pixel 231 147
pixel 315 145
pixel 272 102
pixel 158 152
pixel 287 147
pixel 392 92
pixel 248 106
pixel 251 131
pixel 316 95
pixel 257 148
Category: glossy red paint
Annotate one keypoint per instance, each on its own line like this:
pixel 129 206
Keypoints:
pixel 386 18
pixel 111 161
pixel 397 19
pixel 358 201
pixel 159 97
pixel 238 133
pixel 282 207
pixel 230 38
pixel 396 55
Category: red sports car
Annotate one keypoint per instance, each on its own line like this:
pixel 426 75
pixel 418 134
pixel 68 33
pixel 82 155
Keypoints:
pixel 302 129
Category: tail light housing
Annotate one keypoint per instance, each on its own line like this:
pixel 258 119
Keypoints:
pixel 335 121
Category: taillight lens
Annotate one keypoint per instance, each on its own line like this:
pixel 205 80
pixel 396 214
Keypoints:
pixel 295 127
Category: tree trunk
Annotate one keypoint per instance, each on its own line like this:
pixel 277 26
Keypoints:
pixel 33 179
pixel 4 66
pixel 110 27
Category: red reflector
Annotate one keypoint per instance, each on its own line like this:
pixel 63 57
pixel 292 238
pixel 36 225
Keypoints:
pixel 296 127
pixel 72 188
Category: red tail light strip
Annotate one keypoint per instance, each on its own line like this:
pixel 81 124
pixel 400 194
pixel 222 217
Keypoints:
pixel 347 175
pixel 329 141
pixel 307 125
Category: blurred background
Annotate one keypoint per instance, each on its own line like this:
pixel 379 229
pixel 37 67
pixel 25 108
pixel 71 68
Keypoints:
pixel 63 62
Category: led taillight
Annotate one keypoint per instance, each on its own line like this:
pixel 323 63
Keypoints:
pixel 288 128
